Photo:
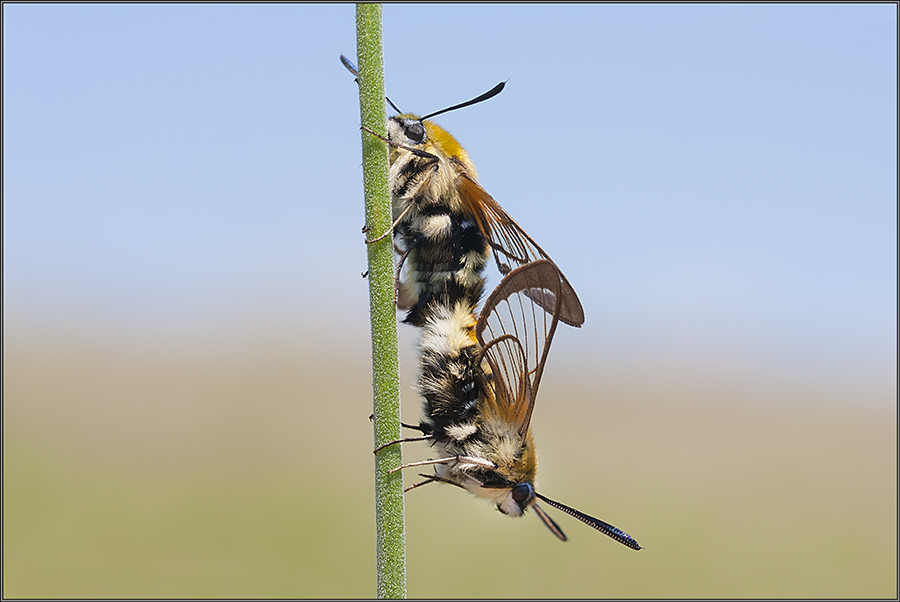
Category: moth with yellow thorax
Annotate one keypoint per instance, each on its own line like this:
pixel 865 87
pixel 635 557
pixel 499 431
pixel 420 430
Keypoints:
pixel 445 224
pixel 479 375
pixel 480 380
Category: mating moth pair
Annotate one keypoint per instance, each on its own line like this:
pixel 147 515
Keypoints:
pixel 479 372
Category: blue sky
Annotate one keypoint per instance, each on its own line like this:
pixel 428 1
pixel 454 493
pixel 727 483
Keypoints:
pixel 712 179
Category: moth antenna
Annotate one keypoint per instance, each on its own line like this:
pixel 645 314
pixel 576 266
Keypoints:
pixel 551 524
pixel 399 112
pixel 349 65
pixel 489 94
pixel 607 529
pixel 352 69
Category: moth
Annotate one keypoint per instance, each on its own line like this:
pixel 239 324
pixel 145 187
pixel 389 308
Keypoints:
pixel 445 225
pixel 480 378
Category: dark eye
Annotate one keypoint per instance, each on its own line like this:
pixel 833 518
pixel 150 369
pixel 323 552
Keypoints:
pixel 415 132
pixel 522 493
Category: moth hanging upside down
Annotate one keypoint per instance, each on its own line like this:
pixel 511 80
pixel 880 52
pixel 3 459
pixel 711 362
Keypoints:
pixel 480 380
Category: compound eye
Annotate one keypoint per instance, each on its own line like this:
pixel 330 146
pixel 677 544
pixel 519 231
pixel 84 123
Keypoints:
pixel 415 132
pixel 522 493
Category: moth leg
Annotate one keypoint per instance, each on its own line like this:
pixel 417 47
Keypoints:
pixel 419 484
pixel 487 464
pixel 393 225
pixel 400 263
pixel 417 152
pixel 443 480
pixel 432 478
pixel 405 440
pixel 415 427
pixel 403 424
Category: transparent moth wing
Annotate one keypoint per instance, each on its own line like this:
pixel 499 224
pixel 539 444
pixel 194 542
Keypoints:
pixel 512 246
pixel 515 331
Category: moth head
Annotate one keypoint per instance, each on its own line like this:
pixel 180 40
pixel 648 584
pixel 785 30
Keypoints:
pixel 407 130
pixel 511 497
pixel 517 499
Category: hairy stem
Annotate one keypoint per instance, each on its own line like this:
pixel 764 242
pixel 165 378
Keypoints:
pixel 391 531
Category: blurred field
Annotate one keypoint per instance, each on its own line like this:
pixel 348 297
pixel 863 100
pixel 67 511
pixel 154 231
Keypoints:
pixel 243 469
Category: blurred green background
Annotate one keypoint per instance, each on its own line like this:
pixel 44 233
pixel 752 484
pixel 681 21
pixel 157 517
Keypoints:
pixel 186 372
pixel 245 470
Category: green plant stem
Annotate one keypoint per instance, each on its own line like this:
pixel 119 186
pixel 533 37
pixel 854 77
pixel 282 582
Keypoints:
pixel 390 527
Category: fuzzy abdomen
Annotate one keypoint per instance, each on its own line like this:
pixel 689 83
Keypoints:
pixel 444 251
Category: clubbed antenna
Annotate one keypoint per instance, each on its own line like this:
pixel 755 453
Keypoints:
pixel 352 69
pixel 489 94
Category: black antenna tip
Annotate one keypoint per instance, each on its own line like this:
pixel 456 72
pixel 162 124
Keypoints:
pixel 489 94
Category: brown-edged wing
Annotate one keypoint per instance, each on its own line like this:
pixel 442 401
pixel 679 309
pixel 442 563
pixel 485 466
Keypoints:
pixel 512 246
pixel 515 330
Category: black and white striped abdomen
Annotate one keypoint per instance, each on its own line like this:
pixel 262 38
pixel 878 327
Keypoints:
pixel 444 250
pixel 452 374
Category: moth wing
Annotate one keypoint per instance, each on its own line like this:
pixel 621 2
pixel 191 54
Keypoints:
pixel 515 331
pixel 511 245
